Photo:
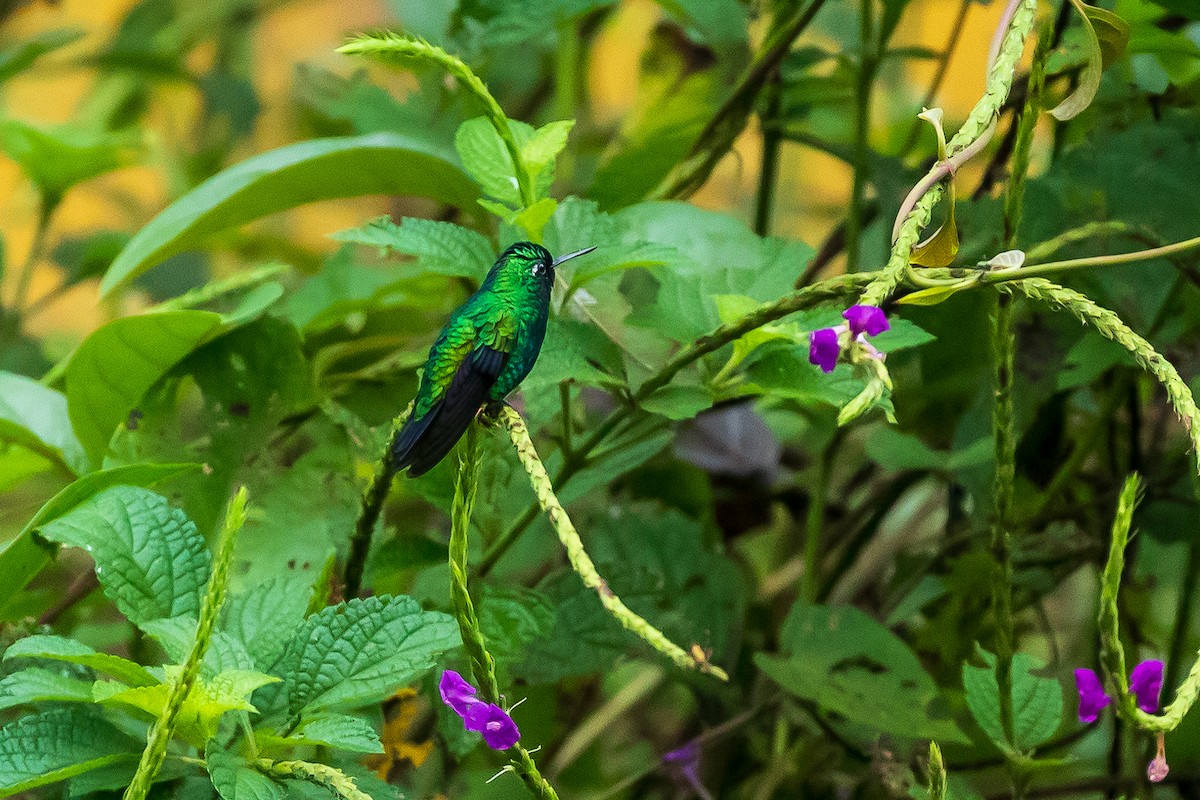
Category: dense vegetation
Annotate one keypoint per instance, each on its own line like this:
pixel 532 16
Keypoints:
pixel 771 517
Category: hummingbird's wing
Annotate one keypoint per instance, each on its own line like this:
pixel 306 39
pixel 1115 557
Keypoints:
pixel 421 444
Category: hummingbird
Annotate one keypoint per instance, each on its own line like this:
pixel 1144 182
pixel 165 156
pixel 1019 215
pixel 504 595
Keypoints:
pixel 486 349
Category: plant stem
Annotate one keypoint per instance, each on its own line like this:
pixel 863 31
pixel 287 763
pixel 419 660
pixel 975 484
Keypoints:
pixel 1051 268
pixel 771 139
pixel 466 479
pixel 814 521
pixel 867 66
pixel 582 563
pixel 159 735
pixel 368 515
pixel 37 250
pixel 566 91
pixel 935 85
pixel 387 46
pixel 1002 494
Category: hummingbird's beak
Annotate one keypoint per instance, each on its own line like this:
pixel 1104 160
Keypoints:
pixel 569 256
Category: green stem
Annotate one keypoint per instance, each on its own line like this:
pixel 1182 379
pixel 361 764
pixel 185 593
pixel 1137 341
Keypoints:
pixel 387 46
pixel 1056 267
pixel 161 730
pixel 582 563
pixel 917 209
pixel 937 773
pixel 1002 498
pixel 37 249
pixel 566 91
pixel 814 521
pixel 336 781
pixel 219 288
pixel 483 666
pixel 772 138
pixel 369 511
pixel 862 129
pixel 939 75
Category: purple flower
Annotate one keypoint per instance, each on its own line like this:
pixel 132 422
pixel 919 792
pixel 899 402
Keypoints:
pixel 865 319
pixel 457 693
pixel 1092 697
pixel 825 345
pixel 1146 684
pixel 686 760
pixel 823 349
pixel 498 729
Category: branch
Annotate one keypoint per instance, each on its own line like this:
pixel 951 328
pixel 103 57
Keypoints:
pixel 582 563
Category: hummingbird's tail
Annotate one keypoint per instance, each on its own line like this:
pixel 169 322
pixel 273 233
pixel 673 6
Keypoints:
pixel 422 443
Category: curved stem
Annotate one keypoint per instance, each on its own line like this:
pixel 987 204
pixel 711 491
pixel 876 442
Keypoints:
pixel 582 563
pixel 394 46
pixel 867 65
pixel 368 515
pixel 37 249
pixel 1056 267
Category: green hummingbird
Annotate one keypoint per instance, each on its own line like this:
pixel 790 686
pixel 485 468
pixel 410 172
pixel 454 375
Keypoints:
pixel 486 349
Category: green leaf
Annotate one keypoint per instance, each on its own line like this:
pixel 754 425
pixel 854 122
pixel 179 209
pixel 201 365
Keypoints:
pixel 722 23
pixel 27 555
pixel 321 169
pixel 1037 701
pixel 203 708
pixel 176 635
pixel 359 652
pixel 933 295
pixel 1089 77
pixel 36 685
pixel 235 779
pixel 341 731
pixel 46 748
pixel 485 156
pixel 19 56
pixel 115 365
pixel 1111 31
pixel 35 416
pixel 940 249
pixel 849 664
pixel 512 617
pixel 149 558
pixel 58 648
pixel 264 619
pixel 439 247
pixel 56 158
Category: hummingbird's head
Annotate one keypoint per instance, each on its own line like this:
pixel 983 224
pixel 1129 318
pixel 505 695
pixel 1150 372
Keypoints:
pixel 532 261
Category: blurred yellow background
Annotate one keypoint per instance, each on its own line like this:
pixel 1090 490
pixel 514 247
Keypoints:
pixel 812 189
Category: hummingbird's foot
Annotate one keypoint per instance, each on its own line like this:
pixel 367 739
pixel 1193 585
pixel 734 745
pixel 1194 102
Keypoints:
pixel 489 416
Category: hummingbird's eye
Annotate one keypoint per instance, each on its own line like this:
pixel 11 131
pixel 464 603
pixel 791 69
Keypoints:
pixel 537 268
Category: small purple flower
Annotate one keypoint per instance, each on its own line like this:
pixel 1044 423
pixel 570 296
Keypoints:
pixel 823 349
pixel 498 729
pixel 686 760
pixel 865 319
pixel 456 692
pixel 1146 684
pixel 825 345
pixel 1092 697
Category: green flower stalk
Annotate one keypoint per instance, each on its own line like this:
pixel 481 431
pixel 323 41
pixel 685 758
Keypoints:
pixel 1108 324
pixel 543 488
pixel 973 136
pixel 368 515
pixel 937 773
pixel 483 666
pixel 160 732
pixel 392 46
pixel 331 778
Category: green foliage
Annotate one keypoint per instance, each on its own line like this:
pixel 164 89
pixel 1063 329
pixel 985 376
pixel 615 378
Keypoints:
pixel 1036 701
pixel 723 501
pixel 381 163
